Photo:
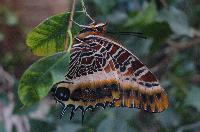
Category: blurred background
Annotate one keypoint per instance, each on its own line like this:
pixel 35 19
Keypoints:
pixel 172 52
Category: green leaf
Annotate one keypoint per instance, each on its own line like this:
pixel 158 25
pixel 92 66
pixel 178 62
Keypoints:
pixel 41 126
pixel 168 118
pixel 11 18
pixel 107 6
pixel 193 98
pixel 177 20
pixel 69 127
pixel 159 31
pixel 37 80
pixel 142 18
pixel 114 117
pixel 2 127
pixel 50 35
pixel 1 36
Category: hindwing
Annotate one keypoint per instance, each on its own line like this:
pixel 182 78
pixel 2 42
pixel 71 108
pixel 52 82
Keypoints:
pixel 138 86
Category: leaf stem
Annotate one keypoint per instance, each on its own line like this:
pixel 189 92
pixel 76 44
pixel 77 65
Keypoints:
pixel 70 40
pixel 69 34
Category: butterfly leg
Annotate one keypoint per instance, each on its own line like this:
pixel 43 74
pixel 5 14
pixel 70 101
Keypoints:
pixel 83 112
pixel 63 111
pixel 72 111
pixel 102 105
pixel 111 104
pixel 90 107
pixel 64 108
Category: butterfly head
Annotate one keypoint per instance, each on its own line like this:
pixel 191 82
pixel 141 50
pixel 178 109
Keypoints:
pixel 60 93
pixel 93 29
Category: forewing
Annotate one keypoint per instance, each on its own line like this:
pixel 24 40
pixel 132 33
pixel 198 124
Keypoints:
pixel 93 75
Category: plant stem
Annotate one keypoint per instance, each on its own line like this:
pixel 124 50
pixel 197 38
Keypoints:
pixel 70 40
pixel 69 35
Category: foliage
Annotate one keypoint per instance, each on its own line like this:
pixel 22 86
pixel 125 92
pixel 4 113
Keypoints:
pixel 171 50
pixel 49 36
pixel 38 79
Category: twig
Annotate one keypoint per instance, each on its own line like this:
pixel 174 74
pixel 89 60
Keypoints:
pixel 196 79
pixel 70 25
pixel 180 46
pixel 70 40
pixel 164 3
pixel 9 120
pixel 173 49
pixel 6 80
pixel 189 127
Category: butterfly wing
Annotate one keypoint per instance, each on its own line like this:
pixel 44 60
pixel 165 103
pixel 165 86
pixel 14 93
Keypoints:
pixel 93 75
pixel 138 86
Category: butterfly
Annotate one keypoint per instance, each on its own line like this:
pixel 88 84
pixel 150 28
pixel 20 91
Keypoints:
pixel 104 73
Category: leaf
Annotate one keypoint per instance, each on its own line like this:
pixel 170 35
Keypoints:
pixel 37 80
pixel 177 20
pixel 69 127
pixel 2 127
pixel 139 47
pixel 42 126
pixel 193 98
pixel 49 36
pixel 116 121
pixel 159 31
pixel 1 36
pixel 168 118
pixel 11 18
pixel 142 18
pixel 107 6
pixel 182 67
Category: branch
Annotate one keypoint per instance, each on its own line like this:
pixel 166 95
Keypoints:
pixel 6 80
pixel 181 46
pixel 189 127
pixel 10 120
pixel 196 79
pixel 172 49
pixel 70 26
pixel 164 3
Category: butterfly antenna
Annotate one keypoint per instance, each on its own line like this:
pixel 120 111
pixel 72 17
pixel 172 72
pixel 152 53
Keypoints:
pixel 137 34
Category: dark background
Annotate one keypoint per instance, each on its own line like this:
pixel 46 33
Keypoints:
pixel 171 51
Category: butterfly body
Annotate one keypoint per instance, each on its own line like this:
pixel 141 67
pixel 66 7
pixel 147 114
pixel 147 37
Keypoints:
pixel 103 72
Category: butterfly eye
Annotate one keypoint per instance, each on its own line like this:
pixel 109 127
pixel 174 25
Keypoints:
pixel 62 93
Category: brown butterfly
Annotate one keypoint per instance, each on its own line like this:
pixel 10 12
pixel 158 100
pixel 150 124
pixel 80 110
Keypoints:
pixel 104 73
